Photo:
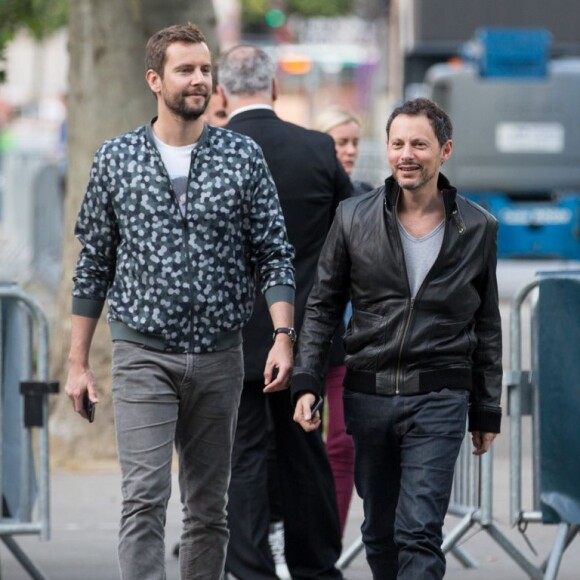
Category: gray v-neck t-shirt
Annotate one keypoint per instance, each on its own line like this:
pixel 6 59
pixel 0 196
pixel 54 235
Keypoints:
pixel 420 254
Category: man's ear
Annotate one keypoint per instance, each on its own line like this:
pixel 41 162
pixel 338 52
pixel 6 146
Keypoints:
pixel 153 80
pixel 274 89
pixel 446 151
pixel 223 99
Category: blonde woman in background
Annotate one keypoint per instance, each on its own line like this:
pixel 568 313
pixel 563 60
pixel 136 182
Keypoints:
pixel 344 127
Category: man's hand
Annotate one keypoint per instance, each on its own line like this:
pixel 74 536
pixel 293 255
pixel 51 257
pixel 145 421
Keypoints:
pixel 302 414
pixel 481 441
pixel 278 370
pixel 80 380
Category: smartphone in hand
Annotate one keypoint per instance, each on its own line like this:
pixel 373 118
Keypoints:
pixel 317 405
pixel 89 407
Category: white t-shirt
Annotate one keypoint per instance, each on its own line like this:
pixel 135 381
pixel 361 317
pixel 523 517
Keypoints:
pixel 177 162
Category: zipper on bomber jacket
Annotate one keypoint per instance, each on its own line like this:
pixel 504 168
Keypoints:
pixel 186 234
pixel 187 247
pixel 411 306
pixel 461 229
pixel 405 332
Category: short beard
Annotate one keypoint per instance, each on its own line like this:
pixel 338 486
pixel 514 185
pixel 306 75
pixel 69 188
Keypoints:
pixel 179 107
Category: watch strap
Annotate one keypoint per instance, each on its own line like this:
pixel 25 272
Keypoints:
pixel 285 330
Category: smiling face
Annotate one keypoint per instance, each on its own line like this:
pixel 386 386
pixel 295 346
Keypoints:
pixel 414 154
pixel 186 86
pixel 346 142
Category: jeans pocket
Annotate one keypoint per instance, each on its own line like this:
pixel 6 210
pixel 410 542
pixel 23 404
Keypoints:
pixel 443 413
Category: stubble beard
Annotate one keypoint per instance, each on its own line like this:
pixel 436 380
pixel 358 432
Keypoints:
pixel 423 178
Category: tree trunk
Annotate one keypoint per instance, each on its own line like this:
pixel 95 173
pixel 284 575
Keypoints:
pixel 108 96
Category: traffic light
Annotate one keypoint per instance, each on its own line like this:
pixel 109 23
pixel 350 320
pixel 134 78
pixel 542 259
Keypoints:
pixel 275 18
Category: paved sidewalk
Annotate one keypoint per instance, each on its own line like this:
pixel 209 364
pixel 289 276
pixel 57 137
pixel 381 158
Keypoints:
pixel 86 505
pixel 85 510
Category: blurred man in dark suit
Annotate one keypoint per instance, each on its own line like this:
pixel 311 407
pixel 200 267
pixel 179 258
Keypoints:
pixel 310 182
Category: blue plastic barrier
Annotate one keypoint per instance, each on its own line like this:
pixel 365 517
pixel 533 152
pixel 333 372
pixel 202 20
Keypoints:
pixel 559 397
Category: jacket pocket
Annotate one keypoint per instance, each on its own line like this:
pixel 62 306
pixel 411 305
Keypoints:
pixel 449 337
pixel 366 329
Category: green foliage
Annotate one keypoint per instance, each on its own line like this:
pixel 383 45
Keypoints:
pixel 320 7
pixel 39 17
pixel 254 11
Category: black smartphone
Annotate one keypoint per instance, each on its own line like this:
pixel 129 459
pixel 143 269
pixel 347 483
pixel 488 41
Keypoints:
pixel 89 407
pixel 316 406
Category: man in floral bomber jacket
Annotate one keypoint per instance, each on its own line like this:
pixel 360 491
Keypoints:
pixel 177 220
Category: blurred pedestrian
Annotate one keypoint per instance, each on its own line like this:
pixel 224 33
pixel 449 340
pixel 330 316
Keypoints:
pixel 62 145
pixel 177 218
pixel 344 127
pixel 5 118
pixel 215 114
pixel 418 262
pixel 310 183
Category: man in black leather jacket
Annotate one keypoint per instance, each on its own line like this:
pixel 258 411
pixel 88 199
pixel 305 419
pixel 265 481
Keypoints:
pixel 423 348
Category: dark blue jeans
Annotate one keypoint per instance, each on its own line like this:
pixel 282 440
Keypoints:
pixel 405 453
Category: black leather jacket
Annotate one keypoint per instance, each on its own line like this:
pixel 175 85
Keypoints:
pixel 448 336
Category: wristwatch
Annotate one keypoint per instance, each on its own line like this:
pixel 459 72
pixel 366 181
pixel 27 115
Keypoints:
pixel 285 330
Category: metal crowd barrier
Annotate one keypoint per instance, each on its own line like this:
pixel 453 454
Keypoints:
pixel 555 336
pixel 24 447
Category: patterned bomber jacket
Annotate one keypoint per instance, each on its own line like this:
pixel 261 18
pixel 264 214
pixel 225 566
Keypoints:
pixel 182 284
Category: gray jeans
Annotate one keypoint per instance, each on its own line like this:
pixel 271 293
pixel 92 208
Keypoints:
pixel 192 400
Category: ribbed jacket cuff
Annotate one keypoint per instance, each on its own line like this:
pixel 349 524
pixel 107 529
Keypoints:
pixel 487 419
pixel 279 294
pixel 87 307
pixel 303 382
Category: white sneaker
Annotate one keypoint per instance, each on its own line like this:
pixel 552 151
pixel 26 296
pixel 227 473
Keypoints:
pixel 276 541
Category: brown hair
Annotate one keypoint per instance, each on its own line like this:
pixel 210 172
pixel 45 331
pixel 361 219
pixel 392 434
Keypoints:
pixel 439 119
pixel 155 52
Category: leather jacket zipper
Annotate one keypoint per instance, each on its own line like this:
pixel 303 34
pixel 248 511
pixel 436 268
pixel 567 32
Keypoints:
pixel 405 332
pixel 411 306
pixel 461 230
